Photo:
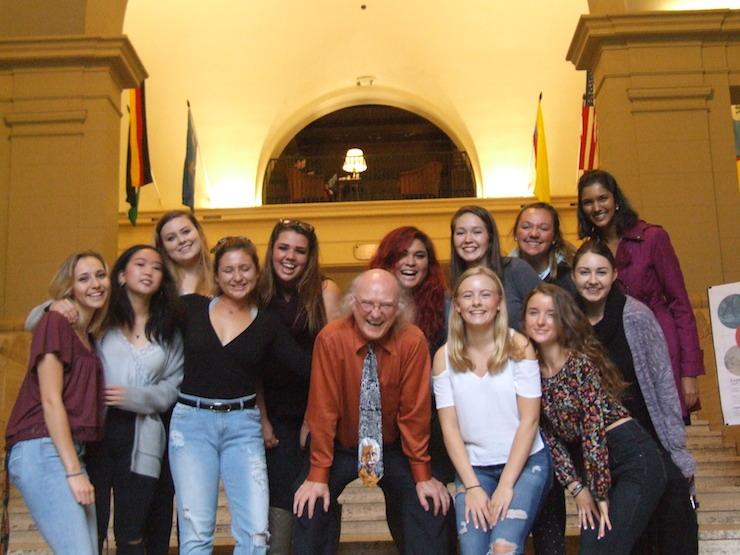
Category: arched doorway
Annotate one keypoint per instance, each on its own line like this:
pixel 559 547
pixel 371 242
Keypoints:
pixel 404 156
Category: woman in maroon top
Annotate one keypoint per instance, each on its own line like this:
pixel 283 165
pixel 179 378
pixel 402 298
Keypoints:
pixel 622 475
pixel 648 270
pixel 59 408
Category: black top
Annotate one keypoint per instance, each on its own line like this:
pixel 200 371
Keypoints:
pixel 563 279
pixel 217 371
pixel 286 394
pixel 610 331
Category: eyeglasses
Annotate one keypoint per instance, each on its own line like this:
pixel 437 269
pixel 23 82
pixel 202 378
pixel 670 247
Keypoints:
pixel 296 224
pixel 232 241
pixel 368 306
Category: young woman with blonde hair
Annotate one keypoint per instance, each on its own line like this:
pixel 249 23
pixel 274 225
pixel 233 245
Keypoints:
pixel 60 408
pixel 183 244
pixel 487 387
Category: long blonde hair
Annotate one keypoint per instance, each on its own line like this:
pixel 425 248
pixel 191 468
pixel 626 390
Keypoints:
pixel 504 347
pixel 63 281
pixel 205 280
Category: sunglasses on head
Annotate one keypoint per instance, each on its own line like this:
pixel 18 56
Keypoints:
pixel 296 224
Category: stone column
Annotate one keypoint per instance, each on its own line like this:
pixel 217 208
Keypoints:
pixel 60 113
pixel 663 84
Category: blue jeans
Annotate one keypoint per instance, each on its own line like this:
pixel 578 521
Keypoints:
pixel 530 490
pixel 205 446
pixel 37 471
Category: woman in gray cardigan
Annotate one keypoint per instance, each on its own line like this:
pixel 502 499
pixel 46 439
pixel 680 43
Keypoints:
pixel 142 354
pixel 635 343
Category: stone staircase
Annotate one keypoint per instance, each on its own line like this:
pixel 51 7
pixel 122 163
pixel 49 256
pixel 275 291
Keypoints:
pixel 364 531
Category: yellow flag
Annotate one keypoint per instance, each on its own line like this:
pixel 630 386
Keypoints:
pixel 542 172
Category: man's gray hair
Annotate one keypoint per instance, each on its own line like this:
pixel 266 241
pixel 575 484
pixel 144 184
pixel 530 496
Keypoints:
pixel 404 312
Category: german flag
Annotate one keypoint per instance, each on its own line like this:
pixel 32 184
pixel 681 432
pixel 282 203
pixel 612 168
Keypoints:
pixel 138 168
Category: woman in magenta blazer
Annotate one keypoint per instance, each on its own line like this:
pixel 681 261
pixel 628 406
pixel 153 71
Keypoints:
pixel 648 270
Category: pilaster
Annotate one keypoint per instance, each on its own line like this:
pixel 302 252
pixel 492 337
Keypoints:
pixel 662 86
pixel 60 110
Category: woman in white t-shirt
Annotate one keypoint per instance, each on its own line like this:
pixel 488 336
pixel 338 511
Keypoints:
pixel 487 388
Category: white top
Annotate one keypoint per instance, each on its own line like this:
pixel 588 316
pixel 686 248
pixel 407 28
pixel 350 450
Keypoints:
pixel 487 411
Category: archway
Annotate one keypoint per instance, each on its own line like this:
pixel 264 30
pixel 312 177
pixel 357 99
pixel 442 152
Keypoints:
pixel 443 117
pixel 405 156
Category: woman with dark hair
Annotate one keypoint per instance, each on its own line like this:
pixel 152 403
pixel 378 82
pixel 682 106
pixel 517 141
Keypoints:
pixel 648 270
pixel 216 433
pixel 635 343
pixel 59 408
pixel 141 351
pixel 622 475
pixel 409 254
pixel 541 244
pixel 487 386
pixel 293 287
pixel 474 241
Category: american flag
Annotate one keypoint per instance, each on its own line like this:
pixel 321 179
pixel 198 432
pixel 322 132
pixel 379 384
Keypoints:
pixel 588 158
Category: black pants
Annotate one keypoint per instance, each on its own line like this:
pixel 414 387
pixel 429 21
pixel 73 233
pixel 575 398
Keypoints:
pixel 423 532
pixel 158 528
pixel 109 467
pixel 442 470
pixel 638 481
pixel 673 528
pixel 548 531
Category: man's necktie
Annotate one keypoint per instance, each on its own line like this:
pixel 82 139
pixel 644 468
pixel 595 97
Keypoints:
pixel 370 445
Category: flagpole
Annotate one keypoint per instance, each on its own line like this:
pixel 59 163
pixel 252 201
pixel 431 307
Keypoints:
pixel 199 154
pixel 159 194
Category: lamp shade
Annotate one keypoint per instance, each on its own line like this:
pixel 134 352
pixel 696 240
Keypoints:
pixel 354 161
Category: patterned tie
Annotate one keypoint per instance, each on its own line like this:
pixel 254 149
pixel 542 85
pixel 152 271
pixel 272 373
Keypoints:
pixel 370 445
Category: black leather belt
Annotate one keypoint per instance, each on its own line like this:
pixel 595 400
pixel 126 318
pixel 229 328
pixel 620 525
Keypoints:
pixel 218 406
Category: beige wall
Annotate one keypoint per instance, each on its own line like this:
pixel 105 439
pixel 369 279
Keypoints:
pixel 257 72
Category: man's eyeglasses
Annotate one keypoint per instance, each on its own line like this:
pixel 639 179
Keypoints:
pixel 368 306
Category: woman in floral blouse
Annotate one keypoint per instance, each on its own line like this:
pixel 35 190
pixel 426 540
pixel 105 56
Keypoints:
pixel 619 477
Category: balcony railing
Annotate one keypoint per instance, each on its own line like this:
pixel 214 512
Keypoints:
pixel 291 179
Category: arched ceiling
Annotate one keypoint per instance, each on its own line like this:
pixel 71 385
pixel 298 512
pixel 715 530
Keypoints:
pixel 255 71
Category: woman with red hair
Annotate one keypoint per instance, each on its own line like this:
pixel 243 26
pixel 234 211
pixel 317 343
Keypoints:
pixel 408 253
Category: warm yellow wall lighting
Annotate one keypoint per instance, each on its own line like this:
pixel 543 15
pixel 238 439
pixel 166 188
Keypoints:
pixel 699 4
pixel 229 192
pixel 506 181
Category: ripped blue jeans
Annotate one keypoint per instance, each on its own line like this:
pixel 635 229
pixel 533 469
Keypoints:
pixel 530 490
pixel 203 447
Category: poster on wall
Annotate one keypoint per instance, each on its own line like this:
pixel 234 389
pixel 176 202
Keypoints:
pixel 724 310
pixel 736 124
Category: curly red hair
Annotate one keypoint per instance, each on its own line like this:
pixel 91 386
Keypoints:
pixel 429 296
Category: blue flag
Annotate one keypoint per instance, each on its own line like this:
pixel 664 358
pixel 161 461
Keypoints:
pixel 188 170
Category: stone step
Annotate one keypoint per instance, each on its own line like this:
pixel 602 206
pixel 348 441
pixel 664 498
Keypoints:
pixel 719 540
pixel 699 442
pixel 701 430
pixel 714 461
pixel 364 530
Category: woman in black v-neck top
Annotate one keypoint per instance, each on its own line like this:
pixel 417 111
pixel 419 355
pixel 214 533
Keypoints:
pixel 215 431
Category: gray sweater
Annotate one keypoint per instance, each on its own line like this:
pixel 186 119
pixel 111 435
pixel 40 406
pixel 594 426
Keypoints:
pixel 655 377
pixel 152 377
